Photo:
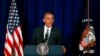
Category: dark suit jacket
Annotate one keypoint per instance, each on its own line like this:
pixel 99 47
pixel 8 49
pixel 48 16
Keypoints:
pixel 38 37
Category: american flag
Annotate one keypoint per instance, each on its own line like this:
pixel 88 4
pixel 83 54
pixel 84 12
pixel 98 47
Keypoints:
pixel 14 40
pixel 85 42
pixel 85 37
pixel 85 34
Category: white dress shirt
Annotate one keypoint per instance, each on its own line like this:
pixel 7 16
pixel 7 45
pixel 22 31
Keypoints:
pixel 45 30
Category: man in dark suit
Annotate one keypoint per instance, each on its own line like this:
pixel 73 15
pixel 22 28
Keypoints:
pixel 47 33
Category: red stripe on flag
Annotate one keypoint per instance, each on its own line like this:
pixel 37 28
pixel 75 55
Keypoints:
pixel 6 52
pixel 17 48
pixel 9 42
pixel 20 42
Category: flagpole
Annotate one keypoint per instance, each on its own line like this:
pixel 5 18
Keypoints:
pixel 88 24
pixel 88 12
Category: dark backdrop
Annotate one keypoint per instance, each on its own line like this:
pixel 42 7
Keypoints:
pixel 68 16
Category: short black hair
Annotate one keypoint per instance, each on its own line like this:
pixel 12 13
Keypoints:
pixel 48 12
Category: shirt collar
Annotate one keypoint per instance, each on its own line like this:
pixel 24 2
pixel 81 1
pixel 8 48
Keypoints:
pixel 45 27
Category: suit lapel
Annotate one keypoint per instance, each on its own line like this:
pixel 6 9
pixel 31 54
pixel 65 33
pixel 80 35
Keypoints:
pixel 51 36
pixel 51 33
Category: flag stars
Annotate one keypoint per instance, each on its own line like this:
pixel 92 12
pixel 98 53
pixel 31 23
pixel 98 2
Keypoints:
pixel 85 20
pixel 9 27
pixel 14 20
pixel 11 13
pixel 13 10
pixel 11 30
pixel 13 24
pixel 16 24
pixel 13 3
pixel 15 17
pixel 16 10
pixel 14 7
pixel 11 17
pixel 9 24
pixel 16 14
pixel 17 21
pixel 10 20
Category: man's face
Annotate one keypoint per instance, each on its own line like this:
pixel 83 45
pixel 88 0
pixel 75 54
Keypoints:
pixel 48 20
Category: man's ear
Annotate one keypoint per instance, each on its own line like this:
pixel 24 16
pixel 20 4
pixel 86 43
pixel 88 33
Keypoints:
pixel 43 20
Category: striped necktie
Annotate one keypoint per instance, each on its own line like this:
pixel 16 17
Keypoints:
pixel 46 35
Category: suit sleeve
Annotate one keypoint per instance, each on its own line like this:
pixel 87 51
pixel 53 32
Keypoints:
pixel 33 41
pixel 59 38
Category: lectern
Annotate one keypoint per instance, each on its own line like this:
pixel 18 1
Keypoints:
pixel 54 50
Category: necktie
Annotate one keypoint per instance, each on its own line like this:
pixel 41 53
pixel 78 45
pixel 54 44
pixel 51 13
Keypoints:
pixel 46 35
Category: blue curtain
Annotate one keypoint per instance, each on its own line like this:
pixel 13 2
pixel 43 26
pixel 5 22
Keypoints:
pixel 68 16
